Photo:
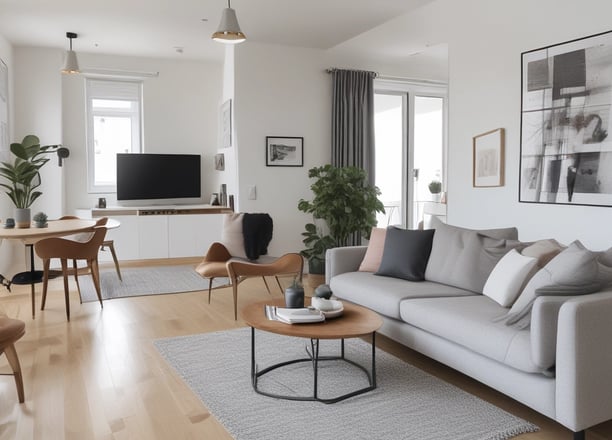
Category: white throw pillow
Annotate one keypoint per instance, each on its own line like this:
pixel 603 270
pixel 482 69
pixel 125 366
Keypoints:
pixel 508 277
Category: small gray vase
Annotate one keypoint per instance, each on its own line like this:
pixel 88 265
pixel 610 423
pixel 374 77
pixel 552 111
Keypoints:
pixel 294 297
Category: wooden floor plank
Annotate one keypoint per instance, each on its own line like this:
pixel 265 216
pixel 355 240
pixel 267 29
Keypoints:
pixel 100 377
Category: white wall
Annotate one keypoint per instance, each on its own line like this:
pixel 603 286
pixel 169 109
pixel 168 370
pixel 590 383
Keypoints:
pixel 280 91
pixel 180 116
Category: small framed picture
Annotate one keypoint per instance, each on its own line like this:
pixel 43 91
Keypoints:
pixel 220 162
pixel 284 151
pixel 488 158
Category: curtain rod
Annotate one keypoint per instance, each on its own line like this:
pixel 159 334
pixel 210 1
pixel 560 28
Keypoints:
pixel 393 78
pixel 119 73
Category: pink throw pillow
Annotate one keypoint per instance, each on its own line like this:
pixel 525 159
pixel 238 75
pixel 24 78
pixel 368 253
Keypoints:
pixel 373 255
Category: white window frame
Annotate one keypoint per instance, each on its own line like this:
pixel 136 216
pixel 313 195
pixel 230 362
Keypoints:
pixel 410 89
pixel 115 89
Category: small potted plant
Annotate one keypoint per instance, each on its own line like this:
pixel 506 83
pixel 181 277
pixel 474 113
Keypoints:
pixel 435 188
pixel 40 220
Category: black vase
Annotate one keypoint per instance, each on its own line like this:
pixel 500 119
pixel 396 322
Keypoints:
pixel 294 297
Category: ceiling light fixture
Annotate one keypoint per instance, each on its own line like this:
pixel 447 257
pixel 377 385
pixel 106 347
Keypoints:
pixel 229 30
pixel 71 65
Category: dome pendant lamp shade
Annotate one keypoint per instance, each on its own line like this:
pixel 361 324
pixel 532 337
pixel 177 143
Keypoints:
pixel 229 31
pixel 71 64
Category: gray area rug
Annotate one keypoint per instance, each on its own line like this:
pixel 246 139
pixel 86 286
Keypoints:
pixel 408 403
pixel 146 281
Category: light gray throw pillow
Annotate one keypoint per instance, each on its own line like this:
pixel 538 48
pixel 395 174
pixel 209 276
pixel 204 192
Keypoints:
pixel 464 258
pixel 574 271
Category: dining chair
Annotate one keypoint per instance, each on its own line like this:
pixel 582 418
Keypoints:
pixel 65 250
pixel 110 244
pixel 12 330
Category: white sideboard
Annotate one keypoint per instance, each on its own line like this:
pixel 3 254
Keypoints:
pixel 161 231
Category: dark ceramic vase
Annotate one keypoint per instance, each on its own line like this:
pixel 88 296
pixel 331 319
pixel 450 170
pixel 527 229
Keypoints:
pixel 294 297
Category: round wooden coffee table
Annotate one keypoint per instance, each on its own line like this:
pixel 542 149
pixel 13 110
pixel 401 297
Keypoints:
pixel 356 321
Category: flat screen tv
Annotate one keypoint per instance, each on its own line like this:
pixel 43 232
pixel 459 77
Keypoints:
pixel 158 176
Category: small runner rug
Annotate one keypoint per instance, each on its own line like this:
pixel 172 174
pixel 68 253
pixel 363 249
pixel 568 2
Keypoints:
pixel 141 281
pixel 408 403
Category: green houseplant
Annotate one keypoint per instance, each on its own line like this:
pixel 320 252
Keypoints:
pixel 23 175
pixel 344 203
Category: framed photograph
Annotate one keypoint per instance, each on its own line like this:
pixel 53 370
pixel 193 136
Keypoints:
pixel 566 148
pixel 226 124
pixel 488 158
pixel 284 151
pixel 220 162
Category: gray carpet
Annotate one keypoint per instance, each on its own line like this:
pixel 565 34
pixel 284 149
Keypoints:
pixel 146 281
pixel 408 403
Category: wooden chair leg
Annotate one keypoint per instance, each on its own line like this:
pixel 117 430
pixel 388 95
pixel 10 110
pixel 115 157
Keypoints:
pixel 75 267
pixel 66 291
pixel 13 360
pixel 235 292
pixel 111 246
pixel 95 274
pixel 46 264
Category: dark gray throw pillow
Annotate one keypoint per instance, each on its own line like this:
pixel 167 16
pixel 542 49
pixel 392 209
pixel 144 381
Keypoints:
pixel 406 253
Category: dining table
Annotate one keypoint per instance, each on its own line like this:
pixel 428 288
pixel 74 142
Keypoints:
pixel 29 236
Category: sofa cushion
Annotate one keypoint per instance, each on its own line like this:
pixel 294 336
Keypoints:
pixel 467 321
pixel 373 256
pixel 509 277
pixel 574 271
pixel 384 294
pixel 543 250
pixel 406 253
pixel 464 258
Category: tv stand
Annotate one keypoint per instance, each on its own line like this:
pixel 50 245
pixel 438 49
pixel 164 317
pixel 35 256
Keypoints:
pixel 162 231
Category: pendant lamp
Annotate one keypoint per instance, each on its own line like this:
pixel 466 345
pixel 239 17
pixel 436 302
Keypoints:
pixel 71 65
pixel 229 30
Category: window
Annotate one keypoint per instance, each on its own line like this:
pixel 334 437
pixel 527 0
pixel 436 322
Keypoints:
pixel 410 136
pixel 113 126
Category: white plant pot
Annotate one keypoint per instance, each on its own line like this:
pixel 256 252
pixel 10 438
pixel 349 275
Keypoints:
pixel 23 217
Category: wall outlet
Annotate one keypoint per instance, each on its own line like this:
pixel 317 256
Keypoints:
pixel 252 189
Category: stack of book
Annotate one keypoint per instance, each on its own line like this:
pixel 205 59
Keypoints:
pixel 303 315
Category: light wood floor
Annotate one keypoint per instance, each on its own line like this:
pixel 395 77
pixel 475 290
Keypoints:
pixel 99 376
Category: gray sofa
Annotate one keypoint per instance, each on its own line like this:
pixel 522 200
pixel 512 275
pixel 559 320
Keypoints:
pixel 560 364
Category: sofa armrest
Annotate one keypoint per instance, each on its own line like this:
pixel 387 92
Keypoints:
pixel 584 361
pixel 544 325
pixel 343 259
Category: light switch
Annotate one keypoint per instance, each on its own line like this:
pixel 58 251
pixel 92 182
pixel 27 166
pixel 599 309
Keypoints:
pixel 252 192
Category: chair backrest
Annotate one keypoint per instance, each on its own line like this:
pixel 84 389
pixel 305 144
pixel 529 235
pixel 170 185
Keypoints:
pixel 70 249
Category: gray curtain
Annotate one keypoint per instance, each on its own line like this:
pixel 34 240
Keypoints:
pixel 353 119
pixel 353 123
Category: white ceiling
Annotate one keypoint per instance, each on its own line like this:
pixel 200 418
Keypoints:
pixel 155 28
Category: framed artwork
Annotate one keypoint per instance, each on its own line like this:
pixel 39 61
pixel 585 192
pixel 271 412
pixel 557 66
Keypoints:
pixel 566 148
pixel 220 162
pixel 226 124
pixel 488 158
pixel 284 151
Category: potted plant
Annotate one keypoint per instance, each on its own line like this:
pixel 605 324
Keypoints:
pixel 40 220
pixel 23 176
pixel 435 188
pixel 344 203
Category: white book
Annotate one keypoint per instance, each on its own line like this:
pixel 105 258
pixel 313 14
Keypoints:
pixel 303 315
